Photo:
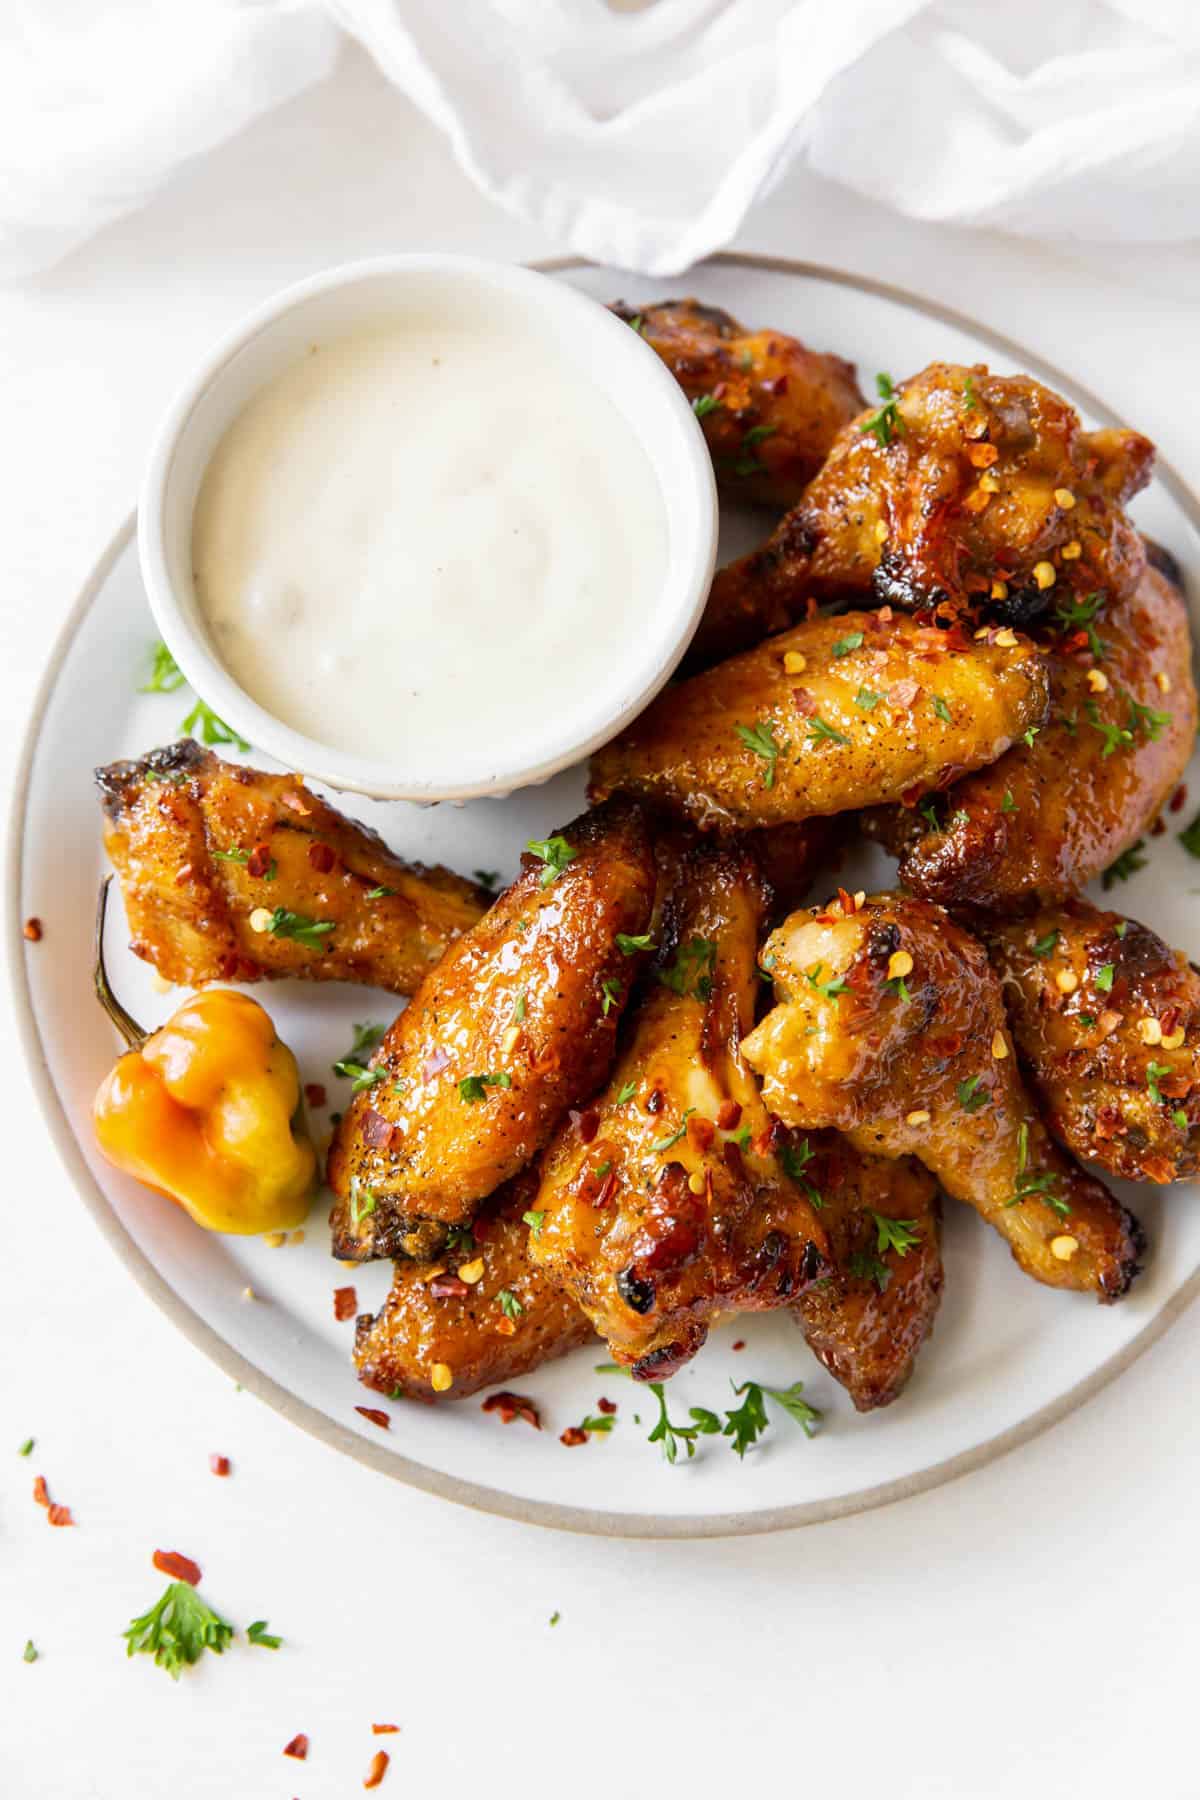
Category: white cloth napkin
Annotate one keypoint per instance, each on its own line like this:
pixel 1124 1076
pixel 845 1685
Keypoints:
pixel 637 132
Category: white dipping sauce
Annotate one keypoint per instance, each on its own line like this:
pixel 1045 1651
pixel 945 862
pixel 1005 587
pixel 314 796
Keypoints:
pixel 432 529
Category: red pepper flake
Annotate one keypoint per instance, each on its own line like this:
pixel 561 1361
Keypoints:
pixel 574 1434
pixel 434 1063
pixel 259 861
pixel 608 1188
pixel 315 1094
pixel 729 1115
pixel 588 1123
pixel 377 1770
pixel 606 1406
pixel 376 1130
pixel 57 1515
pixel 511 1406
pixel 381 1730
pixel 903 693
pixel 847 901
pixel 1158 828
pixel 60 1515
pixel 298 1747
pixel 1178 801
pixel 701 1131
pixel 32 929
pixel 179 1568
pixel 803 702
pixel 448 1287
pixel 219 1464
pixel 321 858
pixel 376 1415
pixel 39 1490
pixel 733 1159
pixel 345 1303
pixel 740 1345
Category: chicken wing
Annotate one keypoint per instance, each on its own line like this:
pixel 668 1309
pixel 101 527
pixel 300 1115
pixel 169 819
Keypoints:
pixel 891 1028
pixel 483 1313
pixel 667 1202
pixel 827 718
pixel 1107 1023
pixel 208 851
pixel 868 1318
pixel 770 408
pixel 517 1023
pixel 962 488
pixel 1045 820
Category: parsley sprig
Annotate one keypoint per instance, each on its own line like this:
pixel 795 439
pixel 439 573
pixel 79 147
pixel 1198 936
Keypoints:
pixel 760 738
pixel 1078 615
pixel 744 1424
pixel 691 969
pixel 886 423
pixel 1031 1183
pixel 473 1087
pixel 555 853
pixel 177 1630
pixel 351 1066
pixel 305 930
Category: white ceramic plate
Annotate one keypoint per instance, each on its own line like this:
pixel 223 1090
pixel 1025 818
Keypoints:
pixel 1007 1358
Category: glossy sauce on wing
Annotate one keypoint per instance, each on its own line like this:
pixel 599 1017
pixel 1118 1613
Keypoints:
pixel 404 527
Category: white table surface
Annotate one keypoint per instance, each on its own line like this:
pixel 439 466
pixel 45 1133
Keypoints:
pixel 1029 1629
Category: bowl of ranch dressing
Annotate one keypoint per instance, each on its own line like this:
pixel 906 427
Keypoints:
pixel 429 527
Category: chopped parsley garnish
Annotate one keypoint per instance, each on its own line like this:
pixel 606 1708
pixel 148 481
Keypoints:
pixel 704 404
pixel 535 1221
pixel 794 1158
pixel 866 1265
pixel 1179 1117
pixel 969 397
pixel 309 932
pixel 1115 736
pixel 1154 1073
pixel 510 1306
pixel 748 463
pixel 635 324
pixel 1087 1020
pixel 669 1435
pixel 597 1422
pixel 742 1138
pixel 613 993
pixel 366 1037
pixel 25 1448
pixel 472 1087
pixel 378 893
pixel 692 968
pixel 1045 945
pixel 29 1654
pixel 1127 864
pixel 461 1237
pixel 1146 719
pixel 166 676
pixel 257 1633
pixel 971 1097
pixel 237 856
pixel 1104 978
pixel 1027 737
pixel 898 986
pixel 178 1628
pixel 818 729
pixel 1121 928
pixel 555 1617
pixel 1080 615
pixel 362 1077
pixel 555 852
pixel 1008 804
pixel 1030 1184
pixel 362 1200
pixel 626 1093
pixel 669 1142
pixel 928 811
pixel 886 423
pixel 941 709
pixel 867 699
pixel 487 878
pixel 760 738
pixel 212 729
pixel 895 1234
pixel 1189 837
pixel 828 990
pixel 629 945
pixel 746 1423
pixel 845 645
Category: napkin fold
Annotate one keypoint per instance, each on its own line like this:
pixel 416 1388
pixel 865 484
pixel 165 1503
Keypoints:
pixel 637 132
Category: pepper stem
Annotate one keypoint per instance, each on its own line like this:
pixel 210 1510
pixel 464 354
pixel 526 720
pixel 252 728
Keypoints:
pixel 128 1027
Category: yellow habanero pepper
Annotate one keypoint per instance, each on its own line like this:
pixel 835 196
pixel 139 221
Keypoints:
pixel 206 1110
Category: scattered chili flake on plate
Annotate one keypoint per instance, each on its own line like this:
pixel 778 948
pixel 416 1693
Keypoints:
pixel 57 1515
pixel 377 1770
pixel 179 1568
pixel 314 1093
pixel 298 1747
pixel 345 1303
pixel 512 1406
pixel 33 930
pixel 381 1730
pixel 606 1406
pixel 219 1464
pixel 740 1345
pixel 574 1434
pixel 376 1415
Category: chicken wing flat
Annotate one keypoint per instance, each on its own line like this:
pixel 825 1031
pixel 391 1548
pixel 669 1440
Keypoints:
pixel 770 408
pixel 207 851
pixel 517 1023
pixel 1046 819
pixel 1107 1024
pixel 825 719
pixel 961 489
pixel 668 1201
pixel 482 1314
pixel 867 1319
pixel 891 1028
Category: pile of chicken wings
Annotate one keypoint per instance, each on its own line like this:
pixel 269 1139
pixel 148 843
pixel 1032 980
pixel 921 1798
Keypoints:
pixel 644 1088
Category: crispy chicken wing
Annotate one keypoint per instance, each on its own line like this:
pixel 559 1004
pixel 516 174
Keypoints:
pixel 867 1319
pixel 202 847
pixel 770 408
pixel 965 488
pixel 517 1023
pixel 891 1028
pixel 1107 1023
pixel 495 1322
pixel 1051 814
pixel 666 1202
pixel 827 718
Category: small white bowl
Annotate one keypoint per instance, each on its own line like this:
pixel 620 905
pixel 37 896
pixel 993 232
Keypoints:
pixel 330 306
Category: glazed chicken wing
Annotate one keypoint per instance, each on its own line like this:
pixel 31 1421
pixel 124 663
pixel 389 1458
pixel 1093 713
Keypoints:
pixel 770 408
pixel 667 1202
pixel 891 1028
pixel 867 1319
pixel 1045 820
pixel 963 488
pixel 206 851
pixel 825 719
pixel 483 1313
pixel 1107 1023
pixel 517 1023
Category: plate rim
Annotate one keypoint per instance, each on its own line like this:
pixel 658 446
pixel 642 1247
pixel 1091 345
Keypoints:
pixel 474 1495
